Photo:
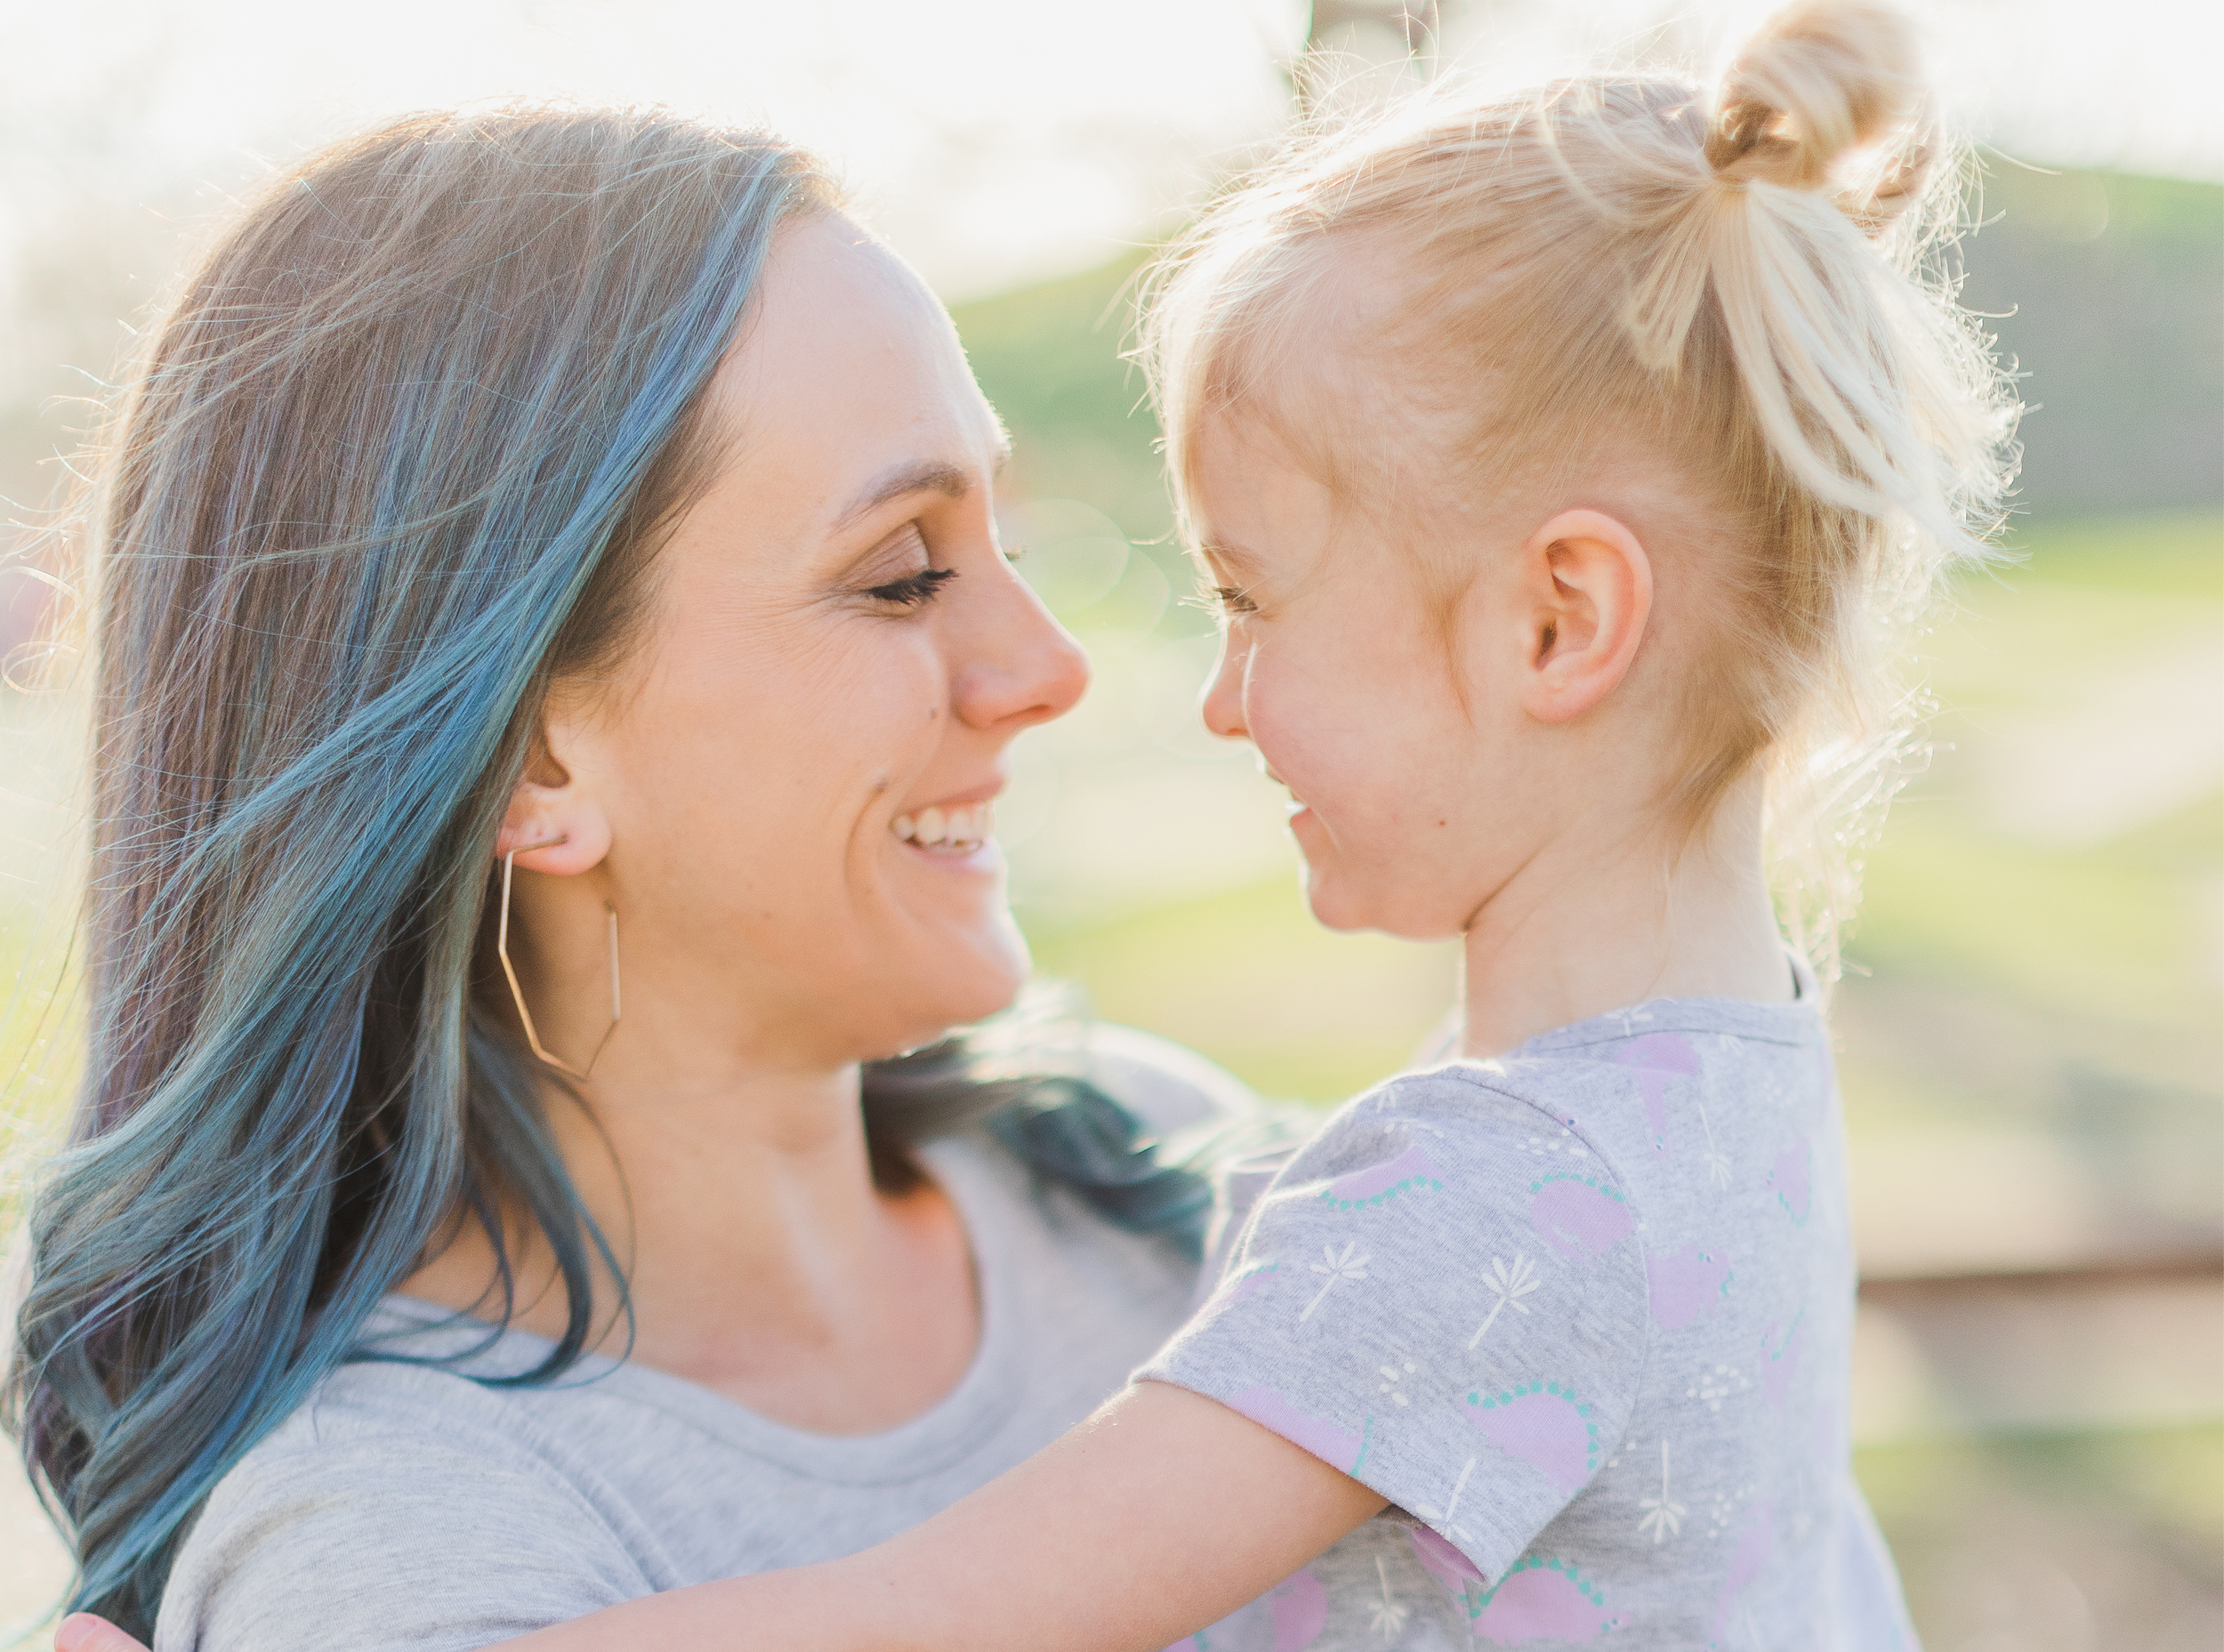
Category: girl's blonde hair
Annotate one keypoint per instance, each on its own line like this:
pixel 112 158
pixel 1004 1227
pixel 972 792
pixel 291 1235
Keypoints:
pixel 1743 283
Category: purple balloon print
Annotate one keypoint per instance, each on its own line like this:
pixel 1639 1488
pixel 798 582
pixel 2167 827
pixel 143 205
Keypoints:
pixel 1541 1423
pixel 1542 1600
pixel 1378 1184
pixel 1300 1605
pixel 1337 1448
pixel 1655 1057
pixel 1755 1545
pixel 1578 1218
pixel 1790 1179
pixel 1687 1285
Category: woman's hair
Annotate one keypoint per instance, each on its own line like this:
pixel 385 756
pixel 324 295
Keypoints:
pixel 1738 288
pixel 398 458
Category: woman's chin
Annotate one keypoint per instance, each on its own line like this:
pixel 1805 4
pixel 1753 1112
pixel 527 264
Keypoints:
pixel 964 974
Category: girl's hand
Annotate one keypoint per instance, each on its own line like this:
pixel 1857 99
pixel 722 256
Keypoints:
pixel 81 1632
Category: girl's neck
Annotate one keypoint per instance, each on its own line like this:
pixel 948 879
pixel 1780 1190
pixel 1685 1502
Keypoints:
pixel 1593 924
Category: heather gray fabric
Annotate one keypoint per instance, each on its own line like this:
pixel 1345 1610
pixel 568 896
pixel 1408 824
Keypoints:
pixel 1584 1316
pixel 409 1509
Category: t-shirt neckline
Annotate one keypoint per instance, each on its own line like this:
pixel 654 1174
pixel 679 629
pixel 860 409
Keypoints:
pixel 945 1433
pixel 1796 1020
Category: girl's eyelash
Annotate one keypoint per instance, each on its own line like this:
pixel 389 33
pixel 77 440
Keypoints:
pixel 1229 601
pixel 913 590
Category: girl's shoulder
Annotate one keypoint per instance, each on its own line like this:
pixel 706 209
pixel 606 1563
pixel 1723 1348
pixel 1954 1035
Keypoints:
pixel 1618 1089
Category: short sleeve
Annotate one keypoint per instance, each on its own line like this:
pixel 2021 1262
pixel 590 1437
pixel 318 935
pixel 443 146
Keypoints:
pixel 389 1541
pixel 1442 1295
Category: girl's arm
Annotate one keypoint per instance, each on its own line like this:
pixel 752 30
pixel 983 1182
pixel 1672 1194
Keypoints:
pixel 1161 1514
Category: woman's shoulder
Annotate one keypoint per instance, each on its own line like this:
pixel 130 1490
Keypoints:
pixel 1169 1086
pixel 366 1511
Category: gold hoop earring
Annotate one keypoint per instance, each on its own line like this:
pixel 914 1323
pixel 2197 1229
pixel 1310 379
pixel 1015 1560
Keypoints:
pixel 517 993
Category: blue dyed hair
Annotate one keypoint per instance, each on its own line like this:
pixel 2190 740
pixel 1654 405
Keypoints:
pixel 401 454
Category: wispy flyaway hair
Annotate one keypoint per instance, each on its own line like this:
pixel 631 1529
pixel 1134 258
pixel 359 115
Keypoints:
pixel 397 456
pixel 1739 283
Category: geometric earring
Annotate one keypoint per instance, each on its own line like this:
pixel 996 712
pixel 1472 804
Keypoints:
pixel 502 951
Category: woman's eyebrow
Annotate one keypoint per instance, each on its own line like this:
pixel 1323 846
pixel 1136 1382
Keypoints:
pixel 920 476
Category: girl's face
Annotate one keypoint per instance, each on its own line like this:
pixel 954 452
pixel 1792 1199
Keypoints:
pixel 786 798
pixel 1417 784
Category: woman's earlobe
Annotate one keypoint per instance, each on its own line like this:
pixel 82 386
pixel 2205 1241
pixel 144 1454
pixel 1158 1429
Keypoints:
pixel 554 824
pixel 562 843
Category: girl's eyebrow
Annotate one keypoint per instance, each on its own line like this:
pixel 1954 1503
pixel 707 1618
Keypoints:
pixel 1230 559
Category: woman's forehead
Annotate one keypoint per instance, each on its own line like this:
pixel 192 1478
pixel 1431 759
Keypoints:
pixel 847 373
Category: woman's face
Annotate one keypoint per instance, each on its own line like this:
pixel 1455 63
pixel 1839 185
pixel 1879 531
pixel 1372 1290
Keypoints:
pixel 785 797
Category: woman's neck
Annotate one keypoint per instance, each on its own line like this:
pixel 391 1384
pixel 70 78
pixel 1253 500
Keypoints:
pixel 1596 924
pixel 762 1262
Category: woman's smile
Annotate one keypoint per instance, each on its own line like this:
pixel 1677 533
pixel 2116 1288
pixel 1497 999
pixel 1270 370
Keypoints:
pixel 956 833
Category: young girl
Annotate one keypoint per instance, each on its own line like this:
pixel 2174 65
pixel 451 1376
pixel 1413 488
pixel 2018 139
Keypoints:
pixel 1561 464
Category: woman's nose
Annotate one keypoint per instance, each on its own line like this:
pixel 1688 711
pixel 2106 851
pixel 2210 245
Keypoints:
pixel 1223 704
pixel 1023 666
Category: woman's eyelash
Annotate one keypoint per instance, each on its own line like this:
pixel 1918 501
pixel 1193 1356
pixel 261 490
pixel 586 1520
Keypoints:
pixel 913 590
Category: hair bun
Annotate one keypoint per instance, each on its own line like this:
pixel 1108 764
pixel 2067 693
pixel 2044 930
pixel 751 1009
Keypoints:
pixel 1820 79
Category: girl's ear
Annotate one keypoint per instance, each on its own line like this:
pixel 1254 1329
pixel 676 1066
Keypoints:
pixel 553 808
pixel 1587 586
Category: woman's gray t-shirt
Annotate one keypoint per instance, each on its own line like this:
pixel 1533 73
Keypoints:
pixel 409 1508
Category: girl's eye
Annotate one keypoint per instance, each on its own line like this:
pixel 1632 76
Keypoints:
pixel 1229 601
pixel 914 590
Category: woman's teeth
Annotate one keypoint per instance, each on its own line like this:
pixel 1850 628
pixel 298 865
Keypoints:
pixel 957 831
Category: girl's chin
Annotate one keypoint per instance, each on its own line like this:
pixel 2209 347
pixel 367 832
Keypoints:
pixel 1336 905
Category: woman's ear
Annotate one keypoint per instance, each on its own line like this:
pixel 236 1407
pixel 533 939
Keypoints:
pixel 1587 586
pixel 553 821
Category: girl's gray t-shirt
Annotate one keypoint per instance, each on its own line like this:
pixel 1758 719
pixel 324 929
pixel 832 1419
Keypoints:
pixel 1584 1316
pixel 415 1509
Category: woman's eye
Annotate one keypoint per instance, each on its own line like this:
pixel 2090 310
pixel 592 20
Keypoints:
pixel 913 590
pixel 918 587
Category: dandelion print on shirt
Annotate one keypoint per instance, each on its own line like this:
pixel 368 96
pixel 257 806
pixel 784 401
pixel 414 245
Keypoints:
pixel 1582 1315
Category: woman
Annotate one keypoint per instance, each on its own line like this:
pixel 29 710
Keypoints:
pixel 555 665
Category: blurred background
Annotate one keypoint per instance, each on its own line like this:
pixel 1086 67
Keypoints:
pixel 2032 1025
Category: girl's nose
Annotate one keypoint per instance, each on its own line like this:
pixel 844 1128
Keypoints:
pixel 1223 704
pixel 1023 668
